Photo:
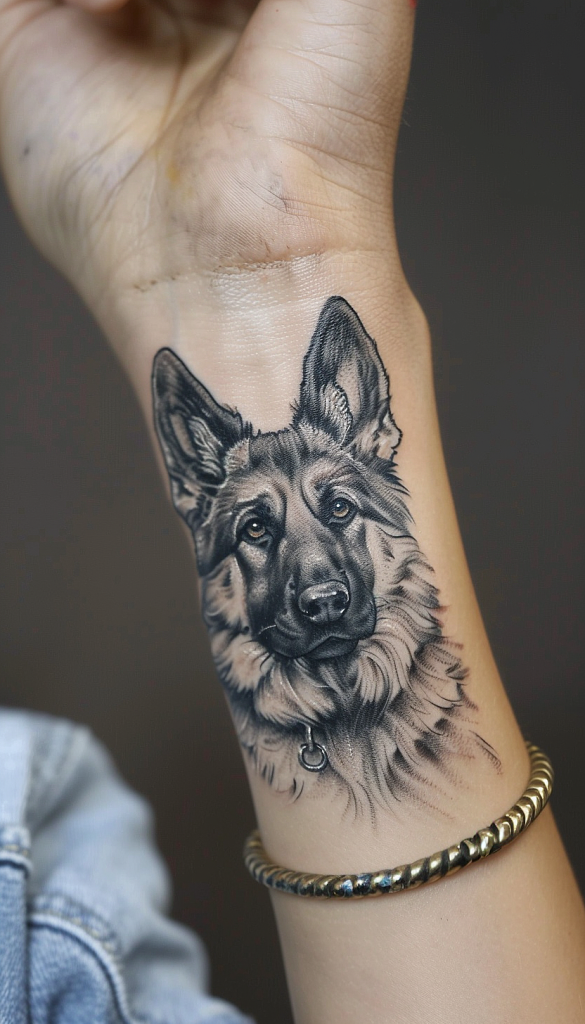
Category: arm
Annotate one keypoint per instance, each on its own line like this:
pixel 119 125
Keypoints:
pixel 214 216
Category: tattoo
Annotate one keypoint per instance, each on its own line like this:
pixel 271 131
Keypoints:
pixel 322 611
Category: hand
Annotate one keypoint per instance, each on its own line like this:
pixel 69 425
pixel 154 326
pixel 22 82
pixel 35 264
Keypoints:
pixel 151 140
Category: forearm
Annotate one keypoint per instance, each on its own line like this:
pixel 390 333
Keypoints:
pixel 208 187
pixel 508 933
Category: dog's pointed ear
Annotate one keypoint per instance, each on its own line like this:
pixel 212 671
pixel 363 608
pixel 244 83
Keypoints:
pixel 345 387
pixel 194 433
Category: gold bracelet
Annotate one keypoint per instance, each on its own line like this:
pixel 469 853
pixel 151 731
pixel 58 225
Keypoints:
pixel 378 883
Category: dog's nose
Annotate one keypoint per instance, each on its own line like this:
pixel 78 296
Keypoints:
pixel 325 602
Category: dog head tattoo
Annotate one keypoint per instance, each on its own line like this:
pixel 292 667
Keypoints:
pixel 322 613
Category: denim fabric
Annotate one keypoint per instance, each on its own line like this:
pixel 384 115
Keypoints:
pixel 83 892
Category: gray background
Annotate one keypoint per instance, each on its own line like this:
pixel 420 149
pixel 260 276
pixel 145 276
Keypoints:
pixel 99 619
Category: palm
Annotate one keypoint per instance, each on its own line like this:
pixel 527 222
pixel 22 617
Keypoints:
pixel 96 98
pixel 150 141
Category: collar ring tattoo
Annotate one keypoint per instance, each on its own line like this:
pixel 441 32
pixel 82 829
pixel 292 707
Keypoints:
pixel 309 748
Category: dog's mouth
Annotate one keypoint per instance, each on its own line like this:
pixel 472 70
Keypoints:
pixel 318 644
pixel 331 647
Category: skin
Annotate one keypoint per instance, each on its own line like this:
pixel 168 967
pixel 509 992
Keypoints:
pixel 206 175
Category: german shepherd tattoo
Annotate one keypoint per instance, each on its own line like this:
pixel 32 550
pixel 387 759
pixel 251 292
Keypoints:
pixel 323 615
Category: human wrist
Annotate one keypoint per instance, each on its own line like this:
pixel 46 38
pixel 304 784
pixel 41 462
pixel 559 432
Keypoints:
pixel 246 349
pixel 247 322
pixel 242 334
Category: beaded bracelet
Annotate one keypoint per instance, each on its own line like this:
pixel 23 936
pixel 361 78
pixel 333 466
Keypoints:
pixel 378 883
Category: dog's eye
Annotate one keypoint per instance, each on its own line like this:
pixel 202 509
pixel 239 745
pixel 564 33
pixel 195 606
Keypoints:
pixel 254 529
pixel 341 509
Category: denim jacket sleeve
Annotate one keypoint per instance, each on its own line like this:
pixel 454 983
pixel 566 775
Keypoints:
pixel 83 892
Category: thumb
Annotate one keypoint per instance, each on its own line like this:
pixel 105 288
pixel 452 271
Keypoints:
pixel 344 61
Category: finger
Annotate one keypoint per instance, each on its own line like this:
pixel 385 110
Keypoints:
pixel 233 13
pixel 97 6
